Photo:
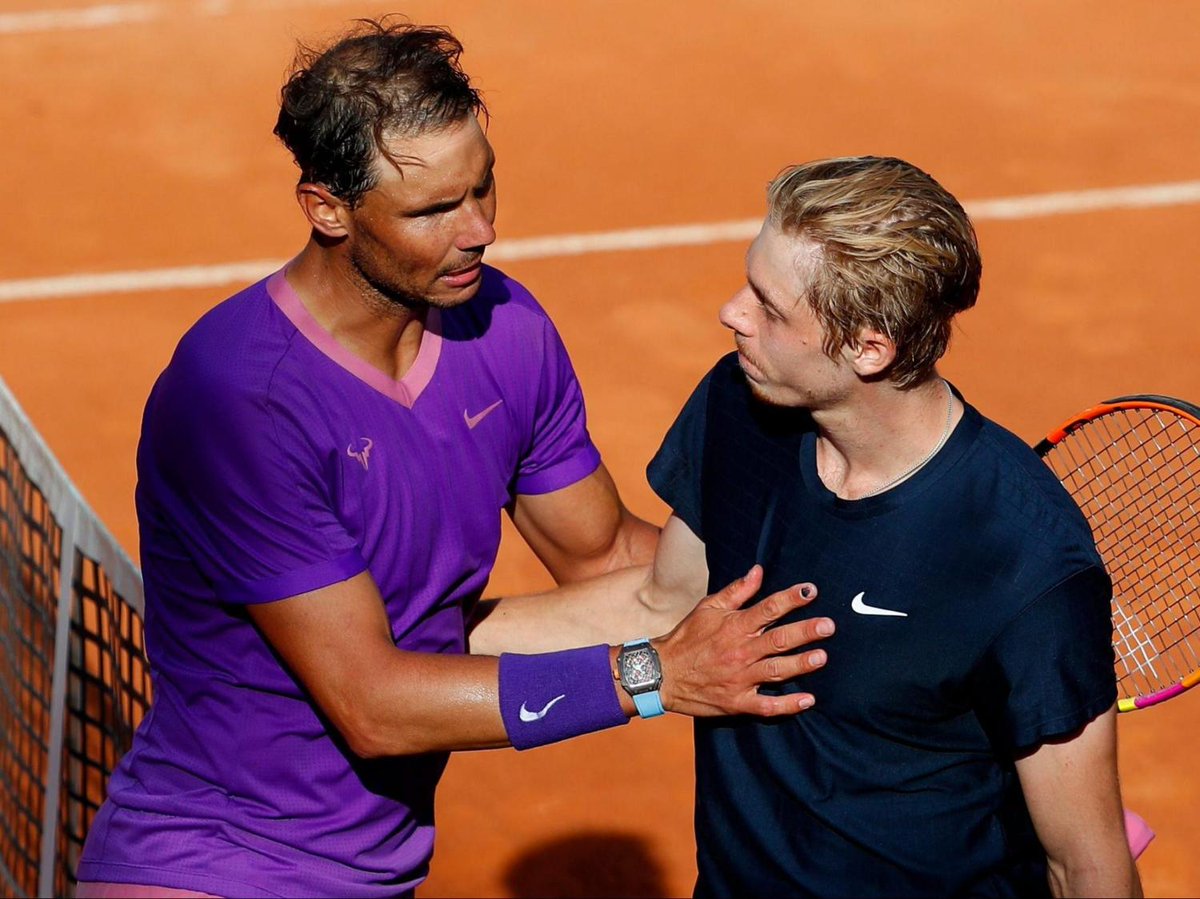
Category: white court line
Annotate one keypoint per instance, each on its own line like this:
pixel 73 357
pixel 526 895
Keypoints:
pixel 1007 208
pixel 108 15
pixel 104 16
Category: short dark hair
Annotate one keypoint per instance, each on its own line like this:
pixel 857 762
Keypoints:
pixel 897 254
pixel 381 79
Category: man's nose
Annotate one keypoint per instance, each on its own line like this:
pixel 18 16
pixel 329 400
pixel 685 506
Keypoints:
pixel 479 230
pixel 733 313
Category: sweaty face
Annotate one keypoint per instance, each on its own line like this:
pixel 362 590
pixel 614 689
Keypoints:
pixel 418 236
pixel 778 337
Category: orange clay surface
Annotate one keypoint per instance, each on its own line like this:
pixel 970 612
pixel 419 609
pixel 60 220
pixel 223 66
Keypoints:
pixel 147 144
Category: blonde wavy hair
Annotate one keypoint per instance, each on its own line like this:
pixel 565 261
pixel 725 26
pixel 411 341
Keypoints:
pixel 897 254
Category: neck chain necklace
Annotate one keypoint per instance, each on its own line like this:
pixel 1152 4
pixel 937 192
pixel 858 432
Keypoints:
pixel 933 452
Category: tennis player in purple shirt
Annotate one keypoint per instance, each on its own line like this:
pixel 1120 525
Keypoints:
pixel 322 471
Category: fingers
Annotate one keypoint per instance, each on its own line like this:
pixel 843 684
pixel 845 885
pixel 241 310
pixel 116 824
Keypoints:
pixel 779 604
pixel 788 637
pixel 781 663
pixel 776 706
pixel 739 592
pixel 714 664
pixel 781 668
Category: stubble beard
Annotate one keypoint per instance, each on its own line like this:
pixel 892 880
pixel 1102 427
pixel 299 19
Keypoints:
pixel 385 295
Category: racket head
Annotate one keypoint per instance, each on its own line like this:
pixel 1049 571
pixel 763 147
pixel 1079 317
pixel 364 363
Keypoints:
pixel 1132 464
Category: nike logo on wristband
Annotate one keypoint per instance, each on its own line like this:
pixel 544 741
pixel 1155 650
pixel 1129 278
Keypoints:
pixel 528 716
pixel 862 608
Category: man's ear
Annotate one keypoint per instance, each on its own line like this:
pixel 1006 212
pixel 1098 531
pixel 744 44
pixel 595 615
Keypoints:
pixel 871 354
pixel 328 215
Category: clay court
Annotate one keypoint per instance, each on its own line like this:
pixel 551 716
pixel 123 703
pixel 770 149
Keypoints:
pixel 143 185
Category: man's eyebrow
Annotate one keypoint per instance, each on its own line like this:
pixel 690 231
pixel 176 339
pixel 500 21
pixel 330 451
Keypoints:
pixel 448 202
pixel 763 297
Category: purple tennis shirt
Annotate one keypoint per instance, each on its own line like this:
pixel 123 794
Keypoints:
pixel 274 462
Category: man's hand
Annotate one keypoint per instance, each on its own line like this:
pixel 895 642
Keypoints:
pixel 716 658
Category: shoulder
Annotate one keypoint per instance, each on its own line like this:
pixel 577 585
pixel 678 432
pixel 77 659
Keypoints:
pixel 503 290
pixel 235 345
pixel 224 370
pixel 1029 507
pixel 504 329
pixel 722 391
pixel 1026 479
pixel 739 419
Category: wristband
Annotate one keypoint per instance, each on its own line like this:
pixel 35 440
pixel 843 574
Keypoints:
pixel 554 696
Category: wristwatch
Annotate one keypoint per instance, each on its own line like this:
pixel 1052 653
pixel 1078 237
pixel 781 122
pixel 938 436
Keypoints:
pixel 640 673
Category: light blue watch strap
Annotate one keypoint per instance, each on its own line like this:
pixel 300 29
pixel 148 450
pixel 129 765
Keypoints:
pixel 649 705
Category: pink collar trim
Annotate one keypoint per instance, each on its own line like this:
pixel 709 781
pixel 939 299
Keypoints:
pixel 407 390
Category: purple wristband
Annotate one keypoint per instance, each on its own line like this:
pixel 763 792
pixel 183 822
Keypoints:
pixel 557 695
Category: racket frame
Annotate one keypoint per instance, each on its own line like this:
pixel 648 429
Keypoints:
pixel 1140 401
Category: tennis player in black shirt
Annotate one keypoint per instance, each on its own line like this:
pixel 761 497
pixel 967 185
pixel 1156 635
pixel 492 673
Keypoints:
pixel 963 740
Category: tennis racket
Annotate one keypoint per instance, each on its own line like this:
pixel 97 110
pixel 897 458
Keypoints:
pixel 1133 466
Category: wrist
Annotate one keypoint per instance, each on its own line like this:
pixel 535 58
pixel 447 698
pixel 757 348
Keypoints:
pixel 639 672
pixel 624 698
pixel 664 690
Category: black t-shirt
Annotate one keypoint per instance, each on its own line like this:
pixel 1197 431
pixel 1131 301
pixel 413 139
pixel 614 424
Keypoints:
pixel 973 624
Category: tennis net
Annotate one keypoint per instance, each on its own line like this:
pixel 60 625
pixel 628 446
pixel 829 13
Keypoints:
pixel 74 682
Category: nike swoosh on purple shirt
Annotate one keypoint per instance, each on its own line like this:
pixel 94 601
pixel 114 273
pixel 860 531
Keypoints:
pixel 475 419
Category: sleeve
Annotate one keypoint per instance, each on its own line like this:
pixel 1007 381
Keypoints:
pixel 561 451
pixel 236 481
pixel 675 472
pixel 1050 671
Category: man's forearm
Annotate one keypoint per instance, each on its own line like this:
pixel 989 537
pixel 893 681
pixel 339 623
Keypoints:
pixel 1107 876
pixel 385 701
pixel 612 608
pixel 1074 798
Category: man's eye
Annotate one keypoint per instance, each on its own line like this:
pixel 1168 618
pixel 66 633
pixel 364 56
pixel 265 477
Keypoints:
pixel 432 210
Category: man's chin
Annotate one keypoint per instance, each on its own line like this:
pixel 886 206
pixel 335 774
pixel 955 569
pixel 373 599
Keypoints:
pixel 766 396
pixel 448 299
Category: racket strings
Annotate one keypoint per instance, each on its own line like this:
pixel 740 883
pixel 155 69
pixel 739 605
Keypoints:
pixel 1131 472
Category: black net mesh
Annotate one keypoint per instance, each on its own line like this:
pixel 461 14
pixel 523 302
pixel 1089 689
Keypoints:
pixel 108 693
pixel 30 550
pixel 107 678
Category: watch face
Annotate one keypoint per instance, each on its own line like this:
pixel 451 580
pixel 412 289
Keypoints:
pixel 640 670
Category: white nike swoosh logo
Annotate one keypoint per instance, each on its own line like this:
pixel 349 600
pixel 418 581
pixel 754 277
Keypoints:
pixel 475 419
pixel 528 716
pixel 862 608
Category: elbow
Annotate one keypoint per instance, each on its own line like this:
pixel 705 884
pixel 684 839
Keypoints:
pixel 358 734
pixel 370 742
pixel 629 544
pixel 369 735
pixel 636 543
pixel 1056 875
pixel 664 608
pixel 1094 877
pixel 364 745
